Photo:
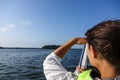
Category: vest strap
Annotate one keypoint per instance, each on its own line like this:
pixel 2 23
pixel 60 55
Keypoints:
pixel 85 75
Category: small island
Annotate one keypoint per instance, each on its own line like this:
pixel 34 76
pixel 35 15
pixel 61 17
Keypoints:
pixel 50 46
pixel 1 47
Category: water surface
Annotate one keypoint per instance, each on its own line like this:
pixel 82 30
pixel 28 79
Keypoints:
pixel 26 64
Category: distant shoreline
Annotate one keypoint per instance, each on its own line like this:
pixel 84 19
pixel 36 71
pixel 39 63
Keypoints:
pixel 17 48
pixel 35 48
pixel 44 47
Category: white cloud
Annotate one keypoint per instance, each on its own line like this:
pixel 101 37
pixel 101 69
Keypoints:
pixel 8 28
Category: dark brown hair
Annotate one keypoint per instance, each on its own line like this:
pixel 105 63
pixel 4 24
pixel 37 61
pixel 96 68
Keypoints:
pixel 105 38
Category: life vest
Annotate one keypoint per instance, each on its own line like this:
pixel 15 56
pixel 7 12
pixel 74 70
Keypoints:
pixel 85 75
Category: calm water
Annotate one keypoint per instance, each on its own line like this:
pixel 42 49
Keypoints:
pixel 26 64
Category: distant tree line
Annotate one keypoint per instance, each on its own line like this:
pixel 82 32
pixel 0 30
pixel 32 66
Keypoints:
pixel 50 46
pixel 1 47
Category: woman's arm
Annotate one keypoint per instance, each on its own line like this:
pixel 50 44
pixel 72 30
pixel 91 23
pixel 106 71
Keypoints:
pixel 62 50
pixel 53 69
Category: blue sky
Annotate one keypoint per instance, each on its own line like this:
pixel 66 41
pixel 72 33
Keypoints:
pixel 34 23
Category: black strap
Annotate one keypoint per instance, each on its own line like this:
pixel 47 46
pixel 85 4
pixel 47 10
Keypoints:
pixel 94 73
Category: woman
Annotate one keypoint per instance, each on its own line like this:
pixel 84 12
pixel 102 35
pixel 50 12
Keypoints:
pixel 103 52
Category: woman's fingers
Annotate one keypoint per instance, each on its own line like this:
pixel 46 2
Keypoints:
pixel 80 69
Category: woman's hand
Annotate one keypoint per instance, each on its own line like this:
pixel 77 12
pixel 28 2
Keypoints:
pixel 80 69
pixel 79 40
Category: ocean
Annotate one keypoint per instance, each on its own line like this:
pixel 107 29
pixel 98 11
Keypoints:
pixel 26 64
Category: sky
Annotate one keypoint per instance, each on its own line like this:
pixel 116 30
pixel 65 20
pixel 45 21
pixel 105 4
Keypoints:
pixel 34 23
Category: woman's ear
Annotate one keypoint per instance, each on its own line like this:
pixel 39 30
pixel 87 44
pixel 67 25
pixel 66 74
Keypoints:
pixel 93 51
